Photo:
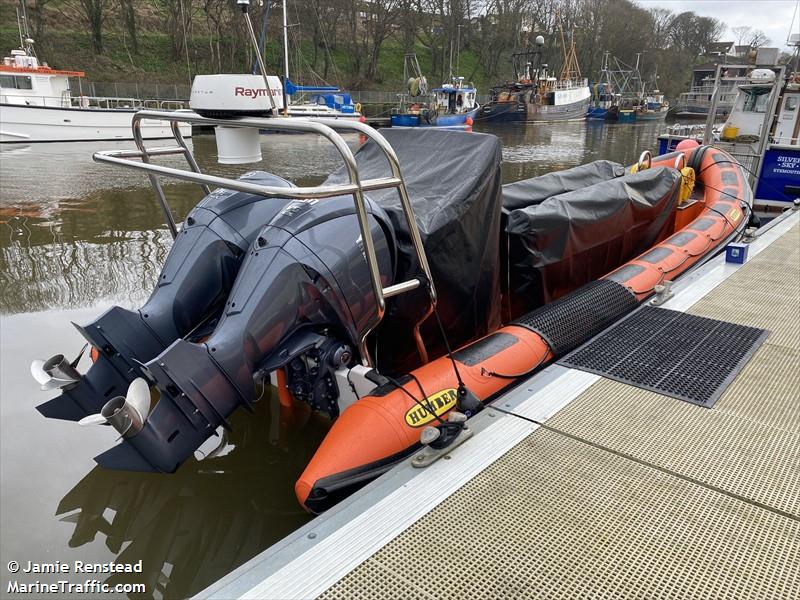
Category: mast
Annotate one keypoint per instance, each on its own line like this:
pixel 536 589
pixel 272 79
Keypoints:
pixel 19 27
pixel 285 59
pixel 458 50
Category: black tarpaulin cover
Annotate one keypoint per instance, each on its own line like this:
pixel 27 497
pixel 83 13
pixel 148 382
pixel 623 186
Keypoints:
pixel 453 179
pixel 573 238
pixel 532 191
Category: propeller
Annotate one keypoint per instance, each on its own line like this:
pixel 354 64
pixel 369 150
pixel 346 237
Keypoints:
pixel 57 372
pixel 125 414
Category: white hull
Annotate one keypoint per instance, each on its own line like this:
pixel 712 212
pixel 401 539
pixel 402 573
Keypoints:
pixel 44 124
pixel 334 114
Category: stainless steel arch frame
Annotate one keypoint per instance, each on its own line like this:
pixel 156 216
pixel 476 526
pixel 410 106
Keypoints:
pixel 140 160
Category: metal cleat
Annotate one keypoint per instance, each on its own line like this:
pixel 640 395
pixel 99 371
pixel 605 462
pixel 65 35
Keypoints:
pixel 439 441
pixel 663 292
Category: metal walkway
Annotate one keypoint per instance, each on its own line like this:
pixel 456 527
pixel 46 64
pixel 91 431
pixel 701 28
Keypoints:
pixel 621 492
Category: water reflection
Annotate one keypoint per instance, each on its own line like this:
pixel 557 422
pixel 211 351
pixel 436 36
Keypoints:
pixel 95 232
pixel 196 525
pixel 536 150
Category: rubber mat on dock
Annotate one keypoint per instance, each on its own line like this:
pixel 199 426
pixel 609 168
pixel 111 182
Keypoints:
pixel 679 355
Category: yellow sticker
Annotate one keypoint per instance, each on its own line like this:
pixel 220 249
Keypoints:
pixel 735 214
pixel 440 403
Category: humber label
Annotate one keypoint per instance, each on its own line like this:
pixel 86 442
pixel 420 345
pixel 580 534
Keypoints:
pixel 440 402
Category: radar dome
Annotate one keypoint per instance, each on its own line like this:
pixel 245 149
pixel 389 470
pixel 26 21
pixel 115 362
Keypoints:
pixel 762 75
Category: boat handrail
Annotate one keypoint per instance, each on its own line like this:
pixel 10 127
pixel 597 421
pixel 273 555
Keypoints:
pixel 325 127
pixel 66 100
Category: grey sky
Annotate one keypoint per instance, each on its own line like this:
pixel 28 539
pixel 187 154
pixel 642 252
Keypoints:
pixel 773 17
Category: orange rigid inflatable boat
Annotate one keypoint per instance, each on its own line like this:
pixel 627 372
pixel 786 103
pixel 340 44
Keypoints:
pixel 351 302
pixel 380 429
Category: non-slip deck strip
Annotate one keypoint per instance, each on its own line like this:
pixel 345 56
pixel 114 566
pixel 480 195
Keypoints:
pixel 683 356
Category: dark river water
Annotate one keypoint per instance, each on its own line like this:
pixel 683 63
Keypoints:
pixel 77 237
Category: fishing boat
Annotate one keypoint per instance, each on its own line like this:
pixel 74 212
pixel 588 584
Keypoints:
pixel 621 95
pixel 397 297
pixel 653 107
pixel 537 95
pixel 453 105
pixel 37 104
pixel 605 101
pixel 762 131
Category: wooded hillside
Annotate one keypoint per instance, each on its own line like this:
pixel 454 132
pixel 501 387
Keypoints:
pixel 357 44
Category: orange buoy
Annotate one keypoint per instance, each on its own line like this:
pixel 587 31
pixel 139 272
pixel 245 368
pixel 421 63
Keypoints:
pixel 685 145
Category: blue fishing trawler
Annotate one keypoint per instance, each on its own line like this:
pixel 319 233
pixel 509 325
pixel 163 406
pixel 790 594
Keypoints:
pixel 453 105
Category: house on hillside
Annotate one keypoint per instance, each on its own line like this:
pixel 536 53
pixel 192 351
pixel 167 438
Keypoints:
pixel 722 49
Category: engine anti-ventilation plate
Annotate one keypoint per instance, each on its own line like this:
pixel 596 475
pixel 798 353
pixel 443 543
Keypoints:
pixel 679 355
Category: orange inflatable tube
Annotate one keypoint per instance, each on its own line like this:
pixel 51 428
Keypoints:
pixel 381 429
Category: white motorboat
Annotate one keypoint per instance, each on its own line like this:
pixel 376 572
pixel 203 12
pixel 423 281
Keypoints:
pixel 37 105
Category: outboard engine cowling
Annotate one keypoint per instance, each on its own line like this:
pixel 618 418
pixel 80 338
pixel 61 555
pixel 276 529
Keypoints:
pixel 189 297
pixel 305 279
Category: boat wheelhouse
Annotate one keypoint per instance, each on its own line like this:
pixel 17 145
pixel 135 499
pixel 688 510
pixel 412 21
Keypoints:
pixel 762 132
pixel 653 107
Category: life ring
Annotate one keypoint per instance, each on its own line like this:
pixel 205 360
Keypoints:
pixel 358 107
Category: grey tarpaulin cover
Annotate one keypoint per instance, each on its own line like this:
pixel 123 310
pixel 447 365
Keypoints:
pixel 532 191
pixel 453 180
pixel 570 239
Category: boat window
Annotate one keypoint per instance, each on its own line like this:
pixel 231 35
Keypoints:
pixel 756 100
pixel 16 82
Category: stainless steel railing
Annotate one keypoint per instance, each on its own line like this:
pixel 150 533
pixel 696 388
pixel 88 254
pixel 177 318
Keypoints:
pixel 139 159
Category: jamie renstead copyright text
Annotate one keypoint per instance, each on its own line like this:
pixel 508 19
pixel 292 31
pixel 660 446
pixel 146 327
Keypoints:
pixel 69 586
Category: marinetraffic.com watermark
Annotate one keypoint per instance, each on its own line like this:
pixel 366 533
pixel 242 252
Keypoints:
pixel 88 586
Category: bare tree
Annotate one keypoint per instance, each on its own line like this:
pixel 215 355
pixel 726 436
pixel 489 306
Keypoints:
pixel 178 16
pixel 129 22
pixel 38 16
pixel 95 13
pixel 741 32
pixel 379 18
pixel 757 39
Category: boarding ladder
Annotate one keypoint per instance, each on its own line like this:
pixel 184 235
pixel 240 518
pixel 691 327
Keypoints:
pixel 140 159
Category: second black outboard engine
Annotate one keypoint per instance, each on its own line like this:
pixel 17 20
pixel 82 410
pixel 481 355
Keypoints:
pixel 188 300
pixel 303 299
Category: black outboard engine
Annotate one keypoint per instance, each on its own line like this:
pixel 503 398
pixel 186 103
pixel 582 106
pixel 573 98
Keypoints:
pixel 187 302
pixel 302 298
